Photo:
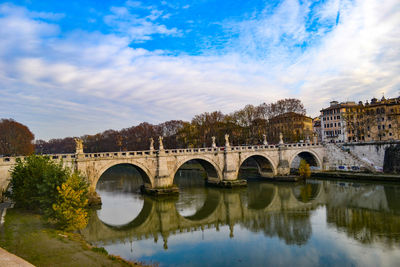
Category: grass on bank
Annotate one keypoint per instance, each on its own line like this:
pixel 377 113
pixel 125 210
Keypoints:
pixel 28 236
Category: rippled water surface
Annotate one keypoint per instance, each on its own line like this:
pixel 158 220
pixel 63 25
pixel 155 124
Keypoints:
pixel 329 223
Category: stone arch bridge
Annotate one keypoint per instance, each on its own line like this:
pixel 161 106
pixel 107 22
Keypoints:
pixel 158 167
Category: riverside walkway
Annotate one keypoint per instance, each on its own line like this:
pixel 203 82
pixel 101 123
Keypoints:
pixel 10 260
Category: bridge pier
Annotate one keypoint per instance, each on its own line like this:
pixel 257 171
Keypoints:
pixel 163 180
pixel 230 171
pixel 283 165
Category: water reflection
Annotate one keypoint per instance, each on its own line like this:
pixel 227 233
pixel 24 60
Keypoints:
pixel 285 216
pixel 118 188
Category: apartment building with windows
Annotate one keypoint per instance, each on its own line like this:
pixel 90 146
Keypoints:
pixel 333 122
pixel 378 120
pixel 382 119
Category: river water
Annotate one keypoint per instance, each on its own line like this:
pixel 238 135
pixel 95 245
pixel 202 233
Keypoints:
pixel 317 223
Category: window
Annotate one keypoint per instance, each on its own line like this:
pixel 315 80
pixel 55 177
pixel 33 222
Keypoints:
pixel 390 134
pixel 338 117
pixel 383 127
pixel 379 127
pixel 390 126
pixel 382 119
pixel 335 124
pixel 338 124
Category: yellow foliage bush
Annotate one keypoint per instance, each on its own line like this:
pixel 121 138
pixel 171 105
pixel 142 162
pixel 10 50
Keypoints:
pixel 70 209
pixel 304 169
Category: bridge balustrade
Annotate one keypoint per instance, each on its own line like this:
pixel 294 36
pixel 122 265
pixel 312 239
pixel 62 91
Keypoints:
pixel 129 154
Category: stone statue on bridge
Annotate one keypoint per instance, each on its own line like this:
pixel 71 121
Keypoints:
pixel 265 143
pixel 160 140
pixel 281 138
pixel 151 144
pixel 78 146
pixel 227 140
pixel 214 145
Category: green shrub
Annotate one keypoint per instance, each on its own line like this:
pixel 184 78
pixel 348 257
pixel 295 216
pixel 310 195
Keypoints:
pixel 34 182
pixel 42 185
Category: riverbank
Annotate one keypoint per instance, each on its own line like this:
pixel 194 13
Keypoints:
pixel 29 237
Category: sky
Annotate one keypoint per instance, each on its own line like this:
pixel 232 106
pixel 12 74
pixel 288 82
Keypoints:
pixel 69 68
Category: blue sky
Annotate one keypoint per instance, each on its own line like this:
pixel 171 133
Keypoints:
pixel 69 68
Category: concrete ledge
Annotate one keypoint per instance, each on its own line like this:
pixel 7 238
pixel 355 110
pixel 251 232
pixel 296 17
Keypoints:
pixel 167 191
pixel 228 183
pixel 357 176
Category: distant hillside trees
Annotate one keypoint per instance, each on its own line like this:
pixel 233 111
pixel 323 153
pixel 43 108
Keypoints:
pixel 15 138
pixel 244 126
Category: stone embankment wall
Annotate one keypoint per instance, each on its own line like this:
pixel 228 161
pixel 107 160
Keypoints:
pixel 335 156
pixel 372 152
pixel 4 178
pixel 372 155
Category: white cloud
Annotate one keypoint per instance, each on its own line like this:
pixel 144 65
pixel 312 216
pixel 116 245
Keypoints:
pixel 139 28
pixel 89 82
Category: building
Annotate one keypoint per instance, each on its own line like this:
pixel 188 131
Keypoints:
pixel 382 119
pixel 333 122
pixel 351 122
pixel 294 127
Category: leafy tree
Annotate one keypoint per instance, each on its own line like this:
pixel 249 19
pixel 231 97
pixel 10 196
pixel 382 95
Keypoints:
pixel 69 211
pixel 37 183
pixel 34 182
pixel 304 169
pixel 15 138
pixel 244 126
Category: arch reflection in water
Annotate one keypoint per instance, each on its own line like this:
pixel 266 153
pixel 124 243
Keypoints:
pixel 261 213
pixel 118 188
pixel 260 208
pixel 191 178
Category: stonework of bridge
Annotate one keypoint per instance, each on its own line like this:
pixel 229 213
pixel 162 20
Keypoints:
pixel 158 167
pixel 220 208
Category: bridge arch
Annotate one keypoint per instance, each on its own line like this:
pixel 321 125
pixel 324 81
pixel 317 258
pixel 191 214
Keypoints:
pixel 210 167
pixel 143 170
pixel 262 162
pixel 309 156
